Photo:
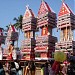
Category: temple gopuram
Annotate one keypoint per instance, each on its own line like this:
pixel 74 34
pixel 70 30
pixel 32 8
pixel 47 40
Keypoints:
pixel 66 25
pixel 2 41
pixel 12 36
pixel 29 28
pixel 46 21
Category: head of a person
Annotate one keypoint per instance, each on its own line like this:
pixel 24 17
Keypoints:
pixel 46 64
pixel 12 65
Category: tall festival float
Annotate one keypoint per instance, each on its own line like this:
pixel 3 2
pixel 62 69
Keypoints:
pixel 46 21
pixel 66 25
pixel 29 28
pixel 12 36
pixel 2 41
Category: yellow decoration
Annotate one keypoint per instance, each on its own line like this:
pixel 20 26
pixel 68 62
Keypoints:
pixel 59 56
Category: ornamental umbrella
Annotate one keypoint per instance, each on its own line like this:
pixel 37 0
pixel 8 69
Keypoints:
pixel 59 56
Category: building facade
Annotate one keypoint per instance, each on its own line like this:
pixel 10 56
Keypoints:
pixel 46 21
pixel 29 28
pixel 66 25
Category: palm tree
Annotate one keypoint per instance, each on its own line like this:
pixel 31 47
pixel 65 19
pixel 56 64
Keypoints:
pixel 18 24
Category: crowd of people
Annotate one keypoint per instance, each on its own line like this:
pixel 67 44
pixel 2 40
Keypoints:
pixel 62 68
pixel 67 68
pixel 10 68
pixel 48 68
pixel 15 68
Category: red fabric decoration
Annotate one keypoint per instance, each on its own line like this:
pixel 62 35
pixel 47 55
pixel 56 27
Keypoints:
pixel 9 56
pixel 54 65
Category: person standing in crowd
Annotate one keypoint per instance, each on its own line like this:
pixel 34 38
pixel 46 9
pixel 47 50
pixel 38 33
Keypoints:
pixel 64 69
pixel 27 69
pixel 56 67
pixel 19 70
pixel 14 55
pixel 32 68
pixel 16 65
pixel 12 69
pixel 6 68
pixel 2 72
pixel 46 71
pixel 51 72
pixel 42 69
pixel 71 68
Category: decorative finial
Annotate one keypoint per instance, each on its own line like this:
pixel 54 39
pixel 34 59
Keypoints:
pixel 63 1
pixel 27 6
pixel 42 0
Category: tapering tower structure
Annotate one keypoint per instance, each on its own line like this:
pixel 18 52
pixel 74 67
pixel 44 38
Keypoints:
pixel 2 41
pixel 29 28
pixel 46 21
pixel 12 36
pixel 66 25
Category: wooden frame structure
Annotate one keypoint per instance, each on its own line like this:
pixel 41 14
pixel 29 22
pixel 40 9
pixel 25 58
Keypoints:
pixel 66 25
